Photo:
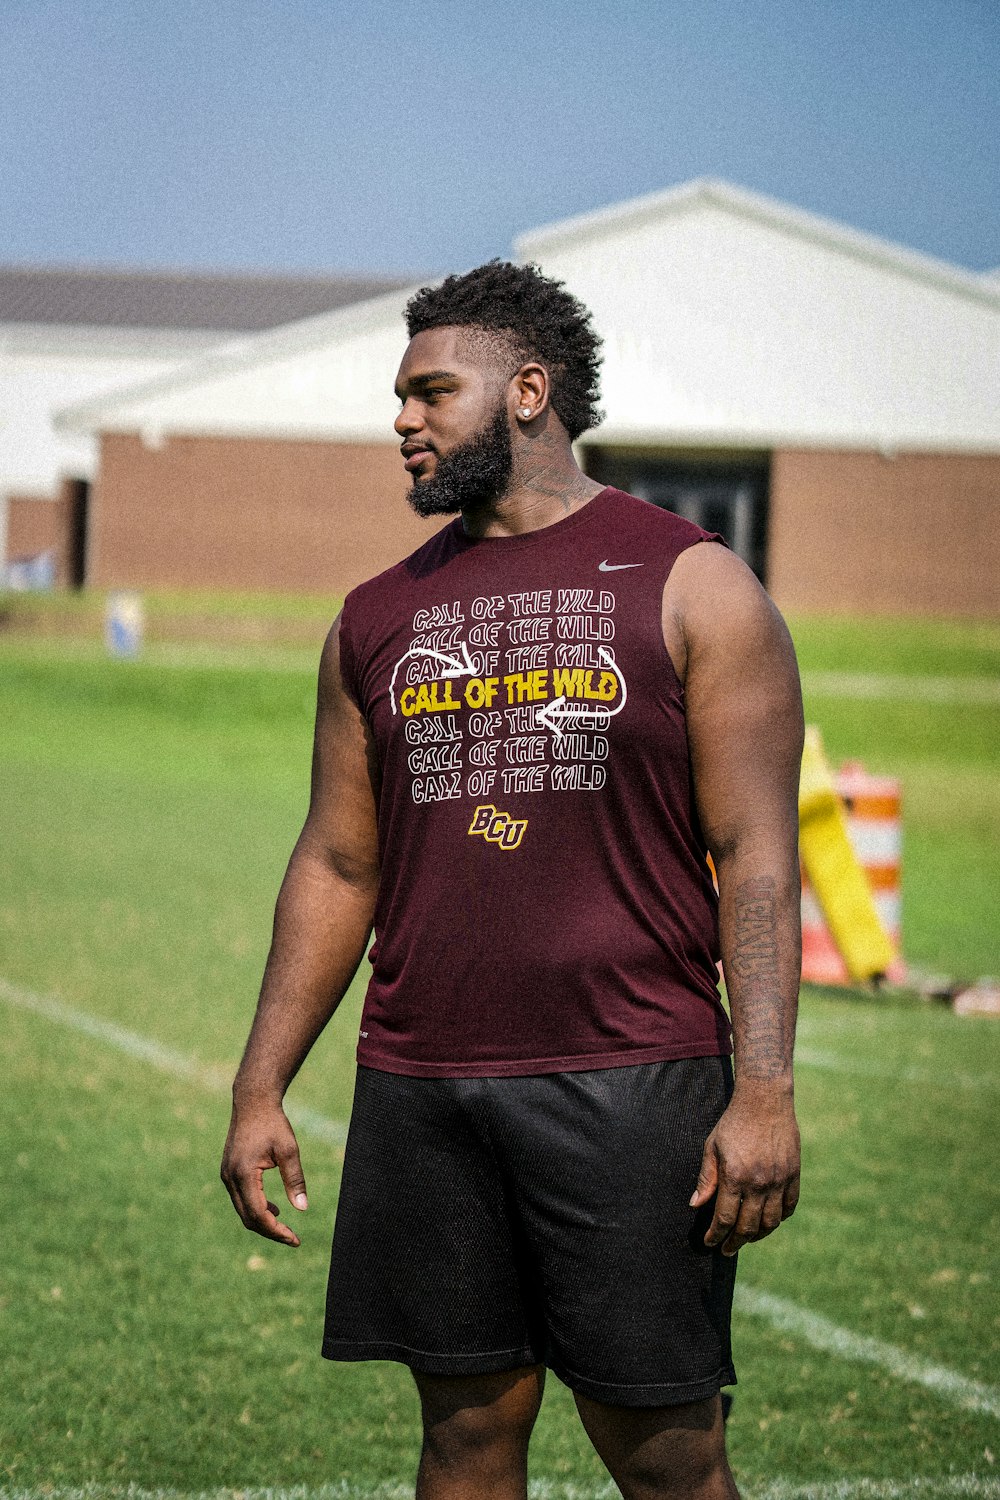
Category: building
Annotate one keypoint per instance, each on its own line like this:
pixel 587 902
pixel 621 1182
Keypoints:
pixel 824 398
pixel 68 335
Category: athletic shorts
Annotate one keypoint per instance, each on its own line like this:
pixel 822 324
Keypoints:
pixel 490 1223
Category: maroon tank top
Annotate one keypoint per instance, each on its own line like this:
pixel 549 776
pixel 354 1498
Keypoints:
pixel 544 903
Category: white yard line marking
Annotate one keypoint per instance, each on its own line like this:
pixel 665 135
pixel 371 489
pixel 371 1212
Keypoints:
pixel 863 1067
pixel 943 1487
pixel 821 1333
pixel 165 1059
pixel 298 659
pixel 885 687
pixel 932 1487
pixel 191 655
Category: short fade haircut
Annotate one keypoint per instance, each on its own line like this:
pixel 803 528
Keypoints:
pixel 535 317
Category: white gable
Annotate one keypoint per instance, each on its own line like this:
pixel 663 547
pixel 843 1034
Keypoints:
pixel 44 367
pixel 731 319
pixel 727 319
pixel 325 377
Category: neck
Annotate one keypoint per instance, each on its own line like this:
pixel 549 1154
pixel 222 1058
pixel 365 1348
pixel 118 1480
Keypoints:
pixel 542 490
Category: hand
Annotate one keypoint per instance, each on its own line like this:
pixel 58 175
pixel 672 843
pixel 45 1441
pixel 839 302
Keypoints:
pixel 751 1164
pixel 261 1137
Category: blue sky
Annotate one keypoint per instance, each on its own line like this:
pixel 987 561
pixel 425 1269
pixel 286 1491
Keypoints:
pixel 317 135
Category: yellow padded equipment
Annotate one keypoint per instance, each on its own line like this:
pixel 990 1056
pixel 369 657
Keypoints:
pixel 834 870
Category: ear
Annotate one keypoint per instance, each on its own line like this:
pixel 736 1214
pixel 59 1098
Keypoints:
pixel 530 391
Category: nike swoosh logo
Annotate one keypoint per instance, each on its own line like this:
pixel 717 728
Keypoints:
pixel 606 567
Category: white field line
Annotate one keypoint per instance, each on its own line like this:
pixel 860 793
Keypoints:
pixel 785 1316
pixel 885 687
pixel 788 1317
pixel 190 655
pixel 299 659
pixel 933 1487
pixel 864 1067
pixel 133 1044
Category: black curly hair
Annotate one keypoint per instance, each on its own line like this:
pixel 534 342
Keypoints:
pixel 535 317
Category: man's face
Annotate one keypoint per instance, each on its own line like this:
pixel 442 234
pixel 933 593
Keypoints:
pixel 454 422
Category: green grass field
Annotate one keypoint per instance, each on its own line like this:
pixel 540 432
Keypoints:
pixel 147 813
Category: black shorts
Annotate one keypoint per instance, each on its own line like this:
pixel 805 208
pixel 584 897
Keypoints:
pixel 489 1223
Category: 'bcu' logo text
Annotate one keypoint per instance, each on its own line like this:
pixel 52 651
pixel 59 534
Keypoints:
pixel 498 827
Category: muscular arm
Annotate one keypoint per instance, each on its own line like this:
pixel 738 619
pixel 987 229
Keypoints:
pixel 321 924
pixel 744 716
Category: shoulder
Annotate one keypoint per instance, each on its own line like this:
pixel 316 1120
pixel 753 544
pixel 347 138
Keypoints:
pixel 715 607
pixel 712 579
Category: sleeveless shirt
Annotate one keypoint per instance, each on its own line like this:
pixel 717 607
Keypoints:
pixel 545 902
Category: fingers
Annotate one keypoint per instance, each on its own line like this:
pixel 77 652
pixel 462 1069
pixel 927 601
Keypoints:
pixel 752 1161
pixel 758 1217
pixel 708 1176
pixel 727 1212
pixel 257 1213
pixel 790 1197
pixel 244 1164
pixel 771 1214
pixel 746 1226
pixel 743 1216
pixel 290 1167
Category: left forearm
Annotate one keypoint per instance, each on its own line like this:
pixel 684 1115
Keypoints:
pixel 760 935
pixel 745 728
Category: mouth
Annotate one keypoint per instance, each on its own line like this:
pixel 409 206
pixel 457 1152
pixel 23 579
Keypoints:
pixel 414 457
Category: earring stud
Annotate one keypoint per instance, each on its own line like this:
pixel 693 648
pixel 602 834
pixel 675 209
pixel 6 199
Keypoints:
pixel 525 411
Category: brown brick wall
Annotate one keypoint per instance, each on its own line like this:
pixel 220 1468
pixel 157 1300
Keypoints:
pixel 249 513
pixel 36 524
pixel 850 531
pixel 914 534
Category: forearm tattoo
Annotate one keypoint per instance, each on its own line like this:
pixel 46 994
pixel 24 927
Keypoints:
pixel 760 1011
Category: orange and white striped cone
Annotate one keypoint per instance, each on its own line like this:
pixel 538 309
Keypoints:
pixel 873 807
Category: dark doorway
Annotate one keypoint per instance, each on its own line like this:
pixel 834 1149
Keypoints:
pixel 78 494
pixel 720 494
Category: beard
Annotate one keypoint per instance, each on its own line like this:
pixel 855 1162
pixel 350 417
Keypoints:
pixel 473 474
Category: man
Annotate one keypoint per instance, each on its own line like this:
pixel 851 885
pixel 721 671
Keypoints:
pixel 529 736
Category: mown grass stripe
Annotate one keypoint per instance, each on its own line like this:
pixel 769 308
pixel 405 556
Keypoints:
pixel 900 688
pixel 865 1067
pixel 786 1316
pixel 334 1132
pixel 165 1059
pixel 970 1486
pixel 831 1338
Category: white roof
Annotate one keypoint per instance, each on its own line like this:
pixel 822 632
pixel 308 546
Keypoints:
pixel 728 319
pixel 329 376
pixel 43 368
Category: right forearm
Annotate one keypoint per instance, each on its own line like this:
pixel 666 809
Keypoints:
pixel 322 922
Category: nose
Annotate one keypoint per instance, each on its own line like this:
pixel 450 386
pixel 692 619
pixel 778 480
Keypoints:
pixel 409 419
